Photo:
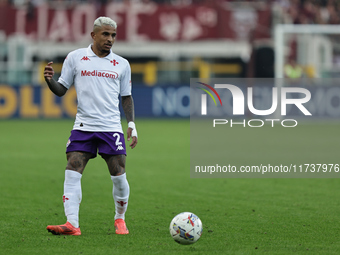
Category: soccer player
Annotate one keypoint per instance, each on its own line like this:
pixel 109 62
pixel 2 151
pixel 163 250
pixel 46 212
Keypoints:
pixel 99 77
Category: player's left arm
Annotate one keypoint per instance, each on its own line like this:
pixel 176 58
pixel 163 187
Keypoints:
pixel 129 111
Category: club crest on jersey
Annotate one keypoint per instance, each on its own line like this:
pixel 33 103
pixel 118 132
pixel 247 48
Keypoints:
pixel 100 73
pixel 86 58
pixel 114 62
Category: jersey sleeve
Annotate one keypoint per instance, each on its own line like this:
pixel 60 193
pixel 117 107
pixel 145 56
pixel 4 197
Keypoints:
pixel 125 81
pixel 67 72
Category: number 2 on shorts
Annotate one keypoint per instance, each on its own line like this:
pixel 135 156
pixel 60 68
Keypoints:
pixel 118 142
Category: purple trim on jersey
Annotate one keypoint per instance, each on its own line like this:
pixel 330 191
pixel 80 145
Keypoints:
pixel 111 143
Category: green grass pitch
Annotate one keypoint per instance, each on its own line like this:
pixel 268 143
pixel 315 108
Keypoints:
pixel 240 216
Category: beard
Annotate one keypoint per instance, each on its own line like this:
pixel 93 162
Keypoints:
pixel 104 50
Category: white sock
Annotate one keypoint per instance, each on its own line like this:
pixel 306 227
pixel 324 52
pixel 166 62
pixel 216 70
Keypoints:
pixel 120 192
pixel 72 196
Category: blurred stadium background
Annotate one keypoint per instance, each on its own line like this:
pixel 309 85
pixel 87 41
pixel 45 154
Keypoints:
pixel 167 42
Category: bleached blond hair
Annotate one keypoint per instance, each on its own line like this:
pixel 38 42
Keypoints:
pixel 102 21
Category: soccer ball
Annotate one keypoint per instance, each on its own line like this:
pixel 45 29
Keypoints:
pixel 186 228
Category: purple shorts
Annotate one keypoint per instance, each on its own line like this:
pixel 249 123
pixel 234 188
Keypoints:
pixel 110 143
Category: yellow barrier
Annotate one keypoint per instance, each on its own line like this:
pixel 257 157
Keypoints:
pixel 35 102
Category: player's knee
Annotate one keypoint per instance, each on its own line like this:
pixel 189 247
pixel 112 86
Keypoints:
pixel 76 162
pixel 116 164
pixel 75 167
pixel 121 163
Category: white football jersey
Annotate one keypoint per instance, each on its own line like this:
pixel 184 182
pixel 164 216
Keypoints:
pixel 98 82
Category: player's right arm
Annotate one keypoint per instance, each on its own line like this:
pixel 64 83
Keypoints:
pixel 56 87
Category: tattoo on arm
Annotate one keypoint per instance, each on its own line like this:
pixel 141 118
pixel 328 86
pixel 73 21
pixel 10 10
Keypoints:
pixel 56 87
pixel 128 108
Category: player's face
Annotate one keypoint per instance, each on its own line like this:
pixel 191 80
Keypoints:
pixel 103 39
